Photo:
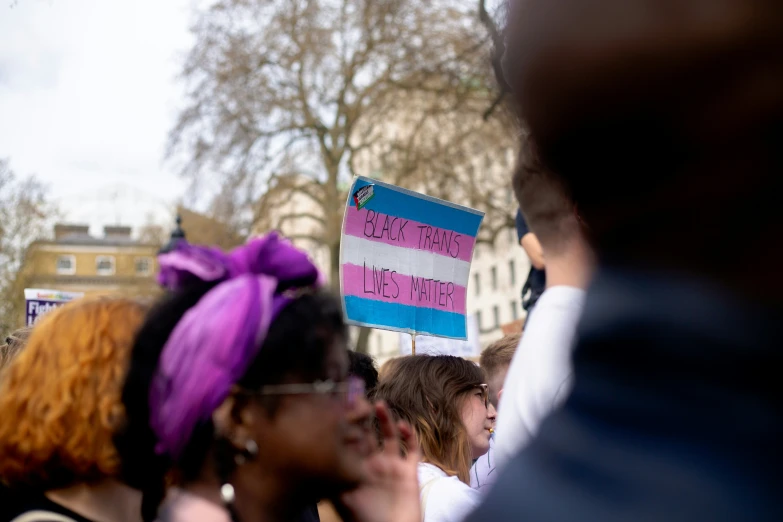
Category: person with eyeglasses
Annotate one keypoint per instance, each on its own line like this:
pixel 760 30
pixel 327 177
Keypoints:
pixel 446 401
pixel 239 402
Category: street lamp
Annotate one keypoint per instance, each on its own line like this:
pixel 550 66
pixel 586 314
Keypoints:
pixel 177 236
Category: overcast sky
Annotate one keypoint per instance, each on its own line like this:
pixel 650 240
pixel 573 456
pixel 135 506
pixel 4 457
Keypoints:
pixel 88 92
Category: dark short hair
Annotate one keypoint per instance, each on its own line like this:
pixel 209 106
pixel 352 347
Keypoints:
pixel 363 366
pixel 544 200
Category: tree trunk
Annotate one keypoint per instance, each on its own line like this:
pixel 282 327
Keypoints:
pixel 334 265
pixel 363 340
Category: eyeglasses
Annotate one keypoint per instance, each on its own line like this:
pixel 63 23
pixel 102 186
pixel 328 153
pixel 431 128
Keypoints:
pixel 353 388
pixel 484 394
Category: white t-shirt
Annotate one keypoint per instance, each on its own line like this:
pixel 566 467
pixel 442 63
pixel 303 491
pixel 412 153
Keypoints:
pixel 448 498
pixel 482 474
pixel 539 378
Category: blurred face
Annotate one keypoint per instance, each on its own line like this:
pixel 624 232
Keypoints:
pixel 478 417
pixel 320 438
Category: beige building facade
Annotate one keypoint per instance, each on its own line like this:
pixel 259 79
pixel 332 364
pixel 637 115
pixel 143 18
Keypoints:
pixel 75 261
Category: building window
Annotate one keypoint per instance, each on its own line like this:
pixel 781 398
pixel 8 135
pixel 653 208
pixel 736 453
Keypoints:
pixel 496 316
pixel 514 310
pixel 66 265
pixel 512 272
pixel 494 276
pixel 477 283
pixel 143 266
pixel 104 265
pixel 479 322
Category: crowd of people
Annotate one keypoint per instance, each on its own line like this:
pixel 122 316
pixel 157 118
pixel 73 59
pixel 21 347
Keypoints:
pixel 644 385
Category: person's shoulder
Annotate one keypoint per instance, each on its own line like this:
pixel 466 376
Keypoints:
pixel 21 505
pixel 453 485
pixel 451 500
pixel 441 483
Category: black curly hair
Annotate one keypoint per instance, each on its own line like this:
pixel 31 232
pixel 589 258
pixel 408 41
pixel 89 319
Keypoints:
pixel 363 366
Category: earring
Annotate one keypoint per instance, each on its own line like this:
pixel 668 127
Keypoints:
pixel 251 447
pixel 224 467
pixel 249 453
pixel 227 494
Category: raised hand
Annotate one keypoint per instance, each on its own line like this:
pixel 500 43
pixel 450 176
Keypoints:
pixel 391 491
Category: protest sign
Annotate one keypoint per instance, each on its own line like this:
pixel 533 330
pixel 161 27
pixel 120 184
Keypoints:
pixel 39 302
pixel 405 260
pixel 442 346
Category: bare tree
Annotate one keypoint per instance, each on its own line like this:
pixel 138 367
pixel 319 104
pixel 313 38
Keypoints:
pixel 151 232
pixel 489 15
pixel 289 99
pixel 203 229
pixel 24 214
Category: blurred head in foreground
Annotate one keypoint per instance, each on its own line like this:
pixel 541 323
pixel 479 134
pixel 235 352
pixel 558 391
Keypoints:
pixel 664 118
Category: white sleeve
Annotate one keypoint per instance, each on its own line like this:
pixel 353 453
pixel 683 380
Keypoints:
pixel 539 377
pixel 512 431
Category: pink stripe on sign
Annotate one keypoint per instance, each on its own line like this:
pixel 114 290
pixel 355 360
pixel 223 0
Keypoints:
pixel 391 287
pixel 405 233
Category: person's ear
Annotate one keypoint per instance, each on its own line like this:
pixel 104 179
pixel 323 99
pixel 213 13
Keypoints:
pixel 233 421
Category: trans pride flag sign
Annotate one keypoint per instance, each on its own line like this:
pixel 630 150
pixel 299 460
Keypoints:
pixel 405 260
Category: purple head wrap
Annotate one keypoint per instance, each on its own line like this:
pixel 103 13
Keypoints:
pixel 214 343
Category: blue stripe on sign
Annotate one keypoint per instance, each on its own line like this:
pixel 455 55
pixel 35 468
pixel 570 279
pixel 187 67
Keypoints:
pixel 417 207
pixel 404 318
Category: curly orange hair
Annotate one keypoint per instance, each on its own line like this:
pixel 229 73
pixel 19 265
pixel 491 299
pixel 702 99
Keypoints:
pixel 60 400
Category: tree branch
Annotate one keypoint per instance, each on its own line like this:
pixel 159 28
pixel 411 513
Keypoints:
pixel 306 237
pixel 300 215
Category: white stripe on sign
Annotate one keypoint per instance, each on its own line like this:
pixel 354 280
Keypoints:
pixel 418 263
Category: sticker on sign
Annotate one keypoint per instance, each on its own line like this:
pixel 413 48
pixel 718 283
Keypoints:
pixel 363 196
